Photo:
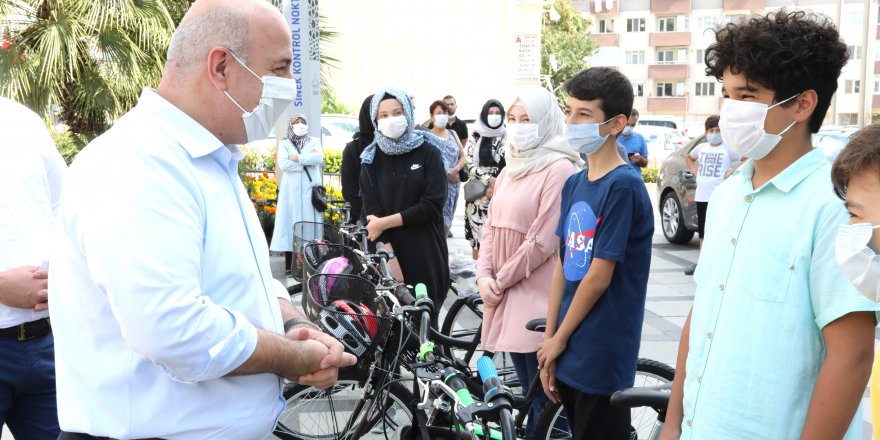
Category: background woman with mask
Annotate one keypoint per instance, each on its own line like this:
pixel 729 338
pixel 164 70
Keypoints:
pixel 300 160
pixel 856 179
pixel 403 186
pixel 485 155
pixel 519 244
pixel 453 159
pixel 350 169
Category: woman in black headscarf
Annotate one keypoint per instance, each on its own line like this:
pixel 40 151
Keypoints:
pixel 350 170
pixel 485 155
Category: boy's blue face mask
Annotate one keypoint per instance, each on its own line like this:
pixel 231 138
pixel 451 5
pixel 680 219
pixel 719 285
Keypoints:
pixel 714 138
pixel 585 138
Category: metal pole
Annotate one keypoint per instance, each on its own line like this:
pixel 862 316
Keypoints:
pixel 863 75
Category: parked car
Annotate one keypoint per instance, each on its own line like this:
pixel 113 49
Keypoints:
pixel 676 186
pixel 337 130
pixel 661 141
pixel 661 121
pixel 676 183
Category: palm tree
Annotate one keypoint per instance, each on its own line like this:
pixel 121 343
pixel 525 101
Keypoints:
pixel 90 58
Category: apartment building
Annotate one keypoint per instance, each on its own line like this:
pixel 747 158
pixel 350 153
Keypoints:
pixel 660 44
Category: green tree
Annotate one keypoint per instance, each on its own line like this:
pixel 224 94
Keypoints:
pixel 565 43
pixel 89 58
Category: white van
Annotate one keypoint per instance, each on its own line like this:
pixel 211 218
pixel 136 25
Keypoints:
pixel 662 121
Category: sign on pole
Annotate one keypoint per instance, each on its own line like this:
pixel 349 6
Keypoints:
pixel 302 18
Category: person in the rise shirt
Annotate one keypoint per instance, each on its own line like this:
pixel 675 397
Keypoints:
pixel 634 143
pixel 778 344
pixel 167 321
pixel 31 175
pixel 856 178
pixel 597 292
pixel 711 162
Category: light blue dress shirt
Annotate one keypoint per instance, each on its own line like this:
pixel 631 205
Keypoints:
pixel 162 278
pixel 767 283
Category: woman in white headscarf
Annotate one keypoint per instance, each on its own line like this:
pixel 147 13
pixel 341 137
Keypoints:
pixel 485 155
pixel 300 160
pixel 519 246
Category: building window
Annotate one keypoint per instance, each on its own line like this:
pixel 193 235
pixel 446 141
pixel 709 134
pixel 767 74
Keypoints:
pixel 635 25
pixel 855 52
pixel 851 86
pixel 605 56
pixel 671 56
pixel 735 18
pixel 606 26
pixel 670 89
pixel 639 89
pixel 847 119
pixel 700 55
pixel 856 18
pixel 706 22
pixel 705 89
pixel 877 84
pixel 666 24
pixel 635 57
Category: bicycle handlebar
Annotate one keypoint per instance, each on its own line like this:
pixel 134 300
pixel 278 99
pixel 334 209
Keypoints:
pixel 496 393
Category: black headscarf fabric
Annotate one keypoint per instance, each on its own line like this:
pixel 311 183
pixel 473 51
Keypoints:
pixel 485 152
pixel 364 136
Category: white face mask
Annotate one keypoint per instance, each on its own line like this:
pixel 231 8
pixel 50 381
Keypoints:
pixel 714 138
pixel 742 123
pixel 628 130
pixel 300 129
pixel 585 138
pixel 441 120
pixel 392 127
pixel 277 95
pixel 494 121
pixel 523 136
pixel 858 262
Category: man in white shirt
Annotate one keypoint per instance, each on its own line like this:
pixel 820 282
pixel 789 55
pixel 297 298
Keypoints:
pixel 171 325
pixel 31 175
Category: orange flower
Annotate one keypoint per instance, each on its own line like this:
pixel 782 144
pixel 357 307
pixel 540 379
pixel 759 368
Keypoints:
pixel 266 174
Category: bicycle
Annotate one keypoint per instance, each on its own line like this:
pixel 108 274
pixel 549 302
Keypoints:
pixel 656 398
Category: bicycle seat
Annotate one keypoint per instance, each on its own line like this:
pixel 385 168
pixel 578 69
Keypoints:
pixel 537 325
pixel 654 397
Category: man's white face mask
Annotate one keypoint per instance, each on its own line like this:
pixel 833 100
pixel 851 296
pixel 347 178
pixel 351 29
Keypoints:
pixel 277 95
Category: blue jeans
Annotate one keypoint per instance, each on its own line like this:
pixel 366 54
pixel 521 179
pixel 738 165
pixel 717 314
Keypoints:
pixel 27 388
pixel 526 366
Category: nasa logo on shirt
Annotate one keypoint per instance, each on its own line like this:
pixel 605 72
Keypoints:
pixel 580 227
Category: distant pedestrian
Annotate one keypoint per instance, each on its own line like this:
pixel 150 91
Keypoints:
pixel 301 161
pixel 711 162
pixel 485 156
pixel 453 160
pixel 454 123
pixel 350 169
pixel 634 143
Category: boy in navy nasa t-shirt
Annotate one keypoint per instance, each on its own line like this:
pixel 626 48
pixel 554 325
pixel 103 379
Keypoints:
pixel 597 296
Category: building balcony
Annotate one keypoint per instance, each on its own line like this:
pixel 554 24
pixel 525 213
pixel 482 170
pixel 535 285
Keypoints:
pixel 743 4
pixel 669 39
pixel 876 67
pixel 604 6
pixel 604 40
pixel 667 104
pixel 671 6
pixel 875 102
pixel 668 71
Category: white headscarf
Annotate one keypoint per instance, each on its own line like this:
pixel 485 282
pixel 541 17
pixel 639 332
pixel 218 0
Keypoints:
pixel 542 108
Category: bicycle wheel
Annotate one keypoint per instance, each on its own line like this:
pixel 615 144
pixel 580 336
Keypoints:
pixel 464 320
pixel 552 421
pixel 313 414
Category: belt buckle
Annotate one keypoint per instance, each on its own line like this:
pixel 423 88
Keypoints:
pixel 22 335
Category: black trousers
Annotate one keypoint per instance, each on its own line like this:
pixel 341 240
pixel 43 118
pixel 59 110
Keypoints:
pixel 592 417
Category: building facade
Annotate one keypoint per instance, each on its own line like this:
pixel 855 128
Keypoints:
pixel 660 46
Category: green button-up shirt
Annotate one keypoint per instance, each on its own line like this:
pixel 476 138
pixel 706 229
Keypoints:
pixel 767 283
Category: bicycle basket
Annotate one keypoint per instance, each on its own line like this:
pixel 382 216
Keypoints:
pixel 306 232
pixel 315 254
pixel 345 306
